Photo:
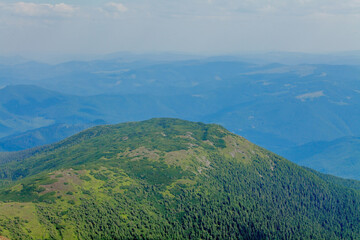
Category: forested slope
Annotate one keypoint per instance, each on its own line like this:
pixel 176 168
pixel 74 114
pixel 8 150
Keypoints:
pixel 169 179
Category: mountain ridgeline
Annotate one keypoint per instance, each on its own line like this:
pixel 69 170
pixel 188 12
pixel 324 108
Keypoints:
pixel 169 179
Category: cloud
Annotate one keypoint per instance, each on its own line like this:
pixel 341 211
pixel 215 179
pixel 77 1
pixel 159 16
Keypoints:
pixel 114 9
pixel 117 7
pixel 29 9
pixel 215 26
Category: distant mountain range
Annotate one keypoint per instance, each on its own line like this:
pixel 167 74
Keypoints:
pixel 340 157
pixel 280 107
pixel 169 179
pixel 42 136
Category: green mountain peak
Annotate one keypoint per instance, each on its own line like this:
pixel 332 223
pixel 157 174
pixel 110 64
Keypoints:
pixel 169 179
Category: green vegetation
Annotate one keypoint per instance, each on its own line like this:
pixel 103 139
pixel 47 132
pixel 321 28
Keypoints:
pixel 170 179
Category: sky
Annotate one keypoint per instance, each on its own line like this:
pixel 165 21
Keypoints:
pixel 30 28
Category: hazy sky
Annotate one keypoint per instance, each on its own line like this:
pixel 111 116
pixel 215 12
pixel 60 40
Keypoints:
pixel 193 26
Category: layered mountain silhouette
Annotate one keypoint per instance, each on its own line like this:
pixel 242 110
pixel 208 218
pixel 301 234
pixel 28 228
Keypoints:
pixel 277 106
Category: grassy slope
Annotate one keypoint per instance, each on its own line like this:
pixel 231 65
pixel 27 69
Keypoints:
pixel 169 179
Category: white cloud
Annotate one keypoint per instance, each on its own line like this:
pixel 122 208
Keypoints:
pixel 114 9
pixel 117 7
pixel 63 8
pixel 38 10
